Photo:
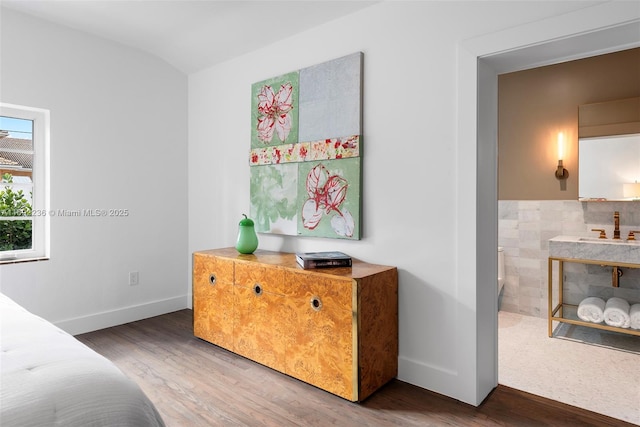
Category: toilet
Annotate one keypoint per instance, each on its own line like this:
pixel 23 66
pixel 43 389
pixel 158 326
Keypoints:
pixel 500 269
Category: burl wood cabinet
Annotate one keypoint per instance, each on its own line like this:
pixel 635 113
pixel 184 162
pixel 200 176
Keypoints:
pixel 335 328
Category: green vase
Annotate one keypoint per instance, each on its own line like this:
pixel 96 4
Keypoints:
pixel 247 238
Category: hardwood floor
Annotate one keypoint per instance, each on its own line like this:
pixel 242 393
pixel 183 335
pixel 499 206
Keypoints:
pixel 194 383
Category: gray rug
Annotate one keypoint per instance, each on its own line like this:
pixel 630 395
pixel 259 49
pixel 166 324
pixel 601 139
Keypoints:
pixel 598 337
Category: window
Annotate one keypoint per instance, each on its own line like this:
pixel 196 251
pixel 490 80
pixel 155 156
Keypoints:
pixel 24 183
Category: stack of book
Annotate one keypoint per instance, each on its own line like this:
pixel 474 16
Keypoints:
pixel 323 259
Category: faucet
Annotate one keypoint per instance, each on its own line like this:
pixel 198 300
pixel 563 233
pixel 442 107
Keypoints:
pixel 616 223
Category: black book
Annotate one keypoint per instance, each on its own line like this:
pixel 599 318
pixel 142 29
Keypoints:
pixel 323 259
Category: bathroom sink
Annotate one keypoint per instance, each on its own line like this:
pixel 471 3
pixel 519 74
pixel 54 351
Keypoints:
pixel 593 248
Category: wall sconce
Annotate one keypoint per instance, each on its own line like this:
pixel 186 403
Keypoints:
pixel 561 172
pixel 631 191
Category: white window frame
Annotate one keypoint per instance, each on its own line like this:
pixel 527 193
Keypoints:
pixel 40 175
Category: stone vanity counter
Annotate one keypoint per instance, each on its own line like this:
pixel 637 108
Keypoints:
pixel 586 248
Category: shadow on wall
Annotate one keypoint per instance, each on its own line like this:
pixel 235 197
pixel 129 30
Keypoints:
pixel 418 297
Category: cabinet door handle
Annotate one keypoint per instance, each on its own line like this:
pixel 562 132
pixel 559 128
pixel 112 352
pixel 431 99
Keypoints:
pixel 316 303
pixel 257 289
pixel 212 279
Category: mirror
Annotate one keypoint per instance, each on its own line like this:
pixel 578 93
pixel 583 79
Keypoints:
pixel 608 165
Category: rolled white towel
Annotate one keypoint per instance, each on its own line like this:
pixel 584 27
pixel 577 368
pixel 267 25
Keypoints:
pixel 634 314
pixel 616 313
pixel 591 309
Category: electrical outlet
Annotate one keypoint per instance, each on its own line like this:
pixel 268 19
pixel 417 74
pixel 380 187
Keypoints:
pixel 133 278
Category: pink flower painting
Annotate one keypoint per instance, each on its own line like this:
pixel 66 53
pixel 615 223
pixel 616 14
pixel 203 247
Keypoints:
pixel 274 110
pixel 326 194
pixel 305 149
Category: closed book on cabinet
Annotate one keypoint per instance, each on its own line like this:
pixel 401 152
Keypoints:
pixel 323 259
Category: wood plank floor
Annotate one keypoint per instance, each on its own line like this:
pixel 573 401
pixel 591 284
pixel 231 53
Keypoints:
pixel 194 383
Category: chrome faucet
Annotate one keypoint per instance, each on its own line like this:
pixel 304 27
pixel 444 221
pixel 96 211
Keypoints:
pixel 616 223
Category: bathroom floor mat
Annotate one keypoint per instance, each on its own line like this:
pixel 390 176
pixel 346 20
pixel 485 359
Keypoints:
pixel 597 337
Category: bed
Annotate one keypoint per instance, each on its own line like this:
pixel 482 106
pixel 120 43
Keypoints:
pixel 48 378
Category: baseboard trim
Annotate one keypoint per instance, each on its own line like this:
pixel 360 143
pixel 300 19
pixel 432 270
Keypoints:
pixel 438 379
pixel 107 319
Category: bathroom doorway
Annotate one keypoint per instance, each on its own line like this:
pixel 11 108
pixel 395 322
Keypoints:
pixel 607 40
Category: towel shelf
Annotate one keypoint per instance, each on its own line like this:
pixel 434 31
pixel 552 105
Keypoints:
pixel 566 313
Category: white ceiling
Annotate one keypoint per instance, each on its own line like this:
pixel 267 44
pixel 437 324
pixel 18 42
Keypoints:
pixel 189 34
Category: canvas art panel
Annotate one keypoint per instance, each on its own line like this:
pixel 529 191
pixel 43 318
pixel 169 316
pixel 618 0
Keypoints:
pixel 330 198
pixel 330 104
pixel 274 111
pixel 274 198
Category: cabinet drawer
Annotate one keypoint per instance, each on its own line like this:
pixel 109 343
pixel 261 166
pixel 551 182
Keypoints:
pixel 213 300
pixel 320 343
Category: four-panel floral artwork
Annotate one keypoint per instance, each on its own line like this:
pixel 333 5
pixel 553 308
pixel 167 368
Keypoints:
pixel 305 151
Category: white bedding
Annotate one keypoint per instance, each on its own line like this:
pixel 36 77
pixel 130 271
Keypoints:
pixel 48 378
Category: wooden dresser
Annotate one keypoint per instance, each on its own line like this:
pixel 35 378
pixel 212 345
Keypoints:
pixel 335 328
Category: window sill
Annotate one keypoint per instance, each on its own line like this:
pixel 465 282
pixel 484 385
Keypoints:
pixel 21 260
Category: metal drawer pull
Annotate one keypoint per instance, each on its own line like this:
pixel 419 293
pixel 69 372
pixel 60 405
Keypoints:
pixel 316 303
pixel 257 289
pixel 212 279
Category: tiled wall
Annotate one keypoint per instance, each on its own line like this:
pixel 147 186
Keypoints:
pixel 524 228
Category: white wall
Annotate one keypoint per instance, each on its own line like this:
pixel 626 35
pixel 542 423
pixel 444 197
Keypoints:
pixel 419 191
pixel 118 140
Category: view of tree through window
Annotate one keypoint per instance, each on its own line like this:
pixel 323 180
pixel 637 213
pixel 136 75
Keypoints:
pixel 16 183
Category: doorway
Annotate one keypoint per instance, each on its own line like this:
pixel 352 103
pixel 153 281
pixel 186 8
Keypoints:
pixel 609 29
